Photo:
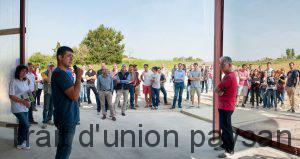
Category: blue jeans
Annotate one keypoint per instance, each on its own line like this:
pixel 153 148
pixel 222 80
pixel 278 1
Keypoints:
pixel 263 95
pixel 65 139
pixel 23 127
pixel 131 92
pixel 280 96
pixel 271 98
pixel 83 94
pixel 179 86
pixel 48 108
pixel 155 96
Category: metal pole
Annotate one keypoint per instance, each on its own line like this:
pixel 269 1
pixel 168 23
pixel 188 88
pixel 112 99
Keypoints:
pixel 22 31
pixel 218 52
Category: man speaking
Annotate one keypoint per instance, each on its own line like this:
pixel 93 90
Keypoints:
pixel 65 96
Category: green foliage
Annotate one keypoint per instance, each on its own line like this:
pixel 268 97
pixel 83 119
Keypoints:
pixel 104 44
pixel 290 53
pixel 187 59
pixel 42 60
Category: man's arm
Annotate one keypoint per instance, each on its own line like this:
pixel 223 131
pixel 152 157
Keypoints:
pixel 73 91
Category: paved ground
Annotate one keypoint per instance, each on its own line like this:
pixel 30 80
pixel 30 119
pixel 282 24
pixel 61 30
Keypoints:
pixel 159 120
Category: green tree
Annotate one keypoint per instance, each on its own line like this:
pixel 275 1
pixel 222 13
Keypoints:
pixel 104 44
pixel 42 60
pixel 81 54
pixel 290 53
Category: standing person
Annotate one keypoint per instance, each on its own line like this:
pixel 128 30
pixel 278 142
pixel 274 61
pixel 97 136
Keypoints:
pixel 179 76
pixel 195 76
pixel 281 86
pixel 136 86
pixel 19 86
pixel 204 82
pixel 83 89
pixel 164 70
pixel 188 87
pixel 39 83
pixel 263 88
pixel 122 87
pixel 292 81
pixel 132 85
pixel 227 96
pixel 31 77
pixel 243 85
pixel 65 96
pixel 48 101
pixel 163 80
pixel 269 69
pixel 105 87
pixel 175 67
pixel 210 78
pixel 90 77
pixel 271 91
pixel 255 85
pixel 155 87
pixel 146 78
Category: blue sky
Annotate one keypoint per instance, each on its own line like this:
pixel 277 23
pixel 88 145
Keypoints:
pixel 162 29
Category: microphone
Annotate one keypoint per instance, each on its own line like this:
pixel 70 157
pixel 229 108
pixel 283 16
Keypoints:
pixel 75 68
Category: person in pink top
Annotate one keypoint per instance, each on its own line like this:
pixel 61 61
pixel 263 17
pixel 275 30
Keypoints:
pixel 226 91
pixel 243 85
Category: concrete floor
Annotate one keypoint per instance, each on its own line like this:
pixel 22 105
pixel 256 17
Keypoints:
pixel 159 120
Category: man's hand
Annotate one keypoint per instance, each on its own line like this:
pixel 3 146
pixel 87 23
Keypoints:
pixel 219 91
pixel 78 73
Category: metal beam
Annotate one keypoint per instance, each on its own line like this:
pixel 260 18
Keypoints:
pixel 218 52
pixel 9 31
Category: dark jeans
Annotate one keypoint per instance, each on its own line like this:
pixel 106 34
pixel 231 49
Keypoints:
pixel 280 96
pixel 204 84
pixel 163 90
pixel 255 94
pixel 30 111
pixel 65 139
pixel 179 86
pixel 89 87
pixel 48 108
pixel 131 92
pixel 38 96
pixel 263 95
pixel 226 130
pixel 23 127
pixel 271 98
pixel 155 96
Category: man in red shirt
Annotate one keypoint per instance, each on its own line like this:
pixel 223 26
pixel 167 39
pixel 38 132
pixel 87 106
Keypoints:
pixel 227 96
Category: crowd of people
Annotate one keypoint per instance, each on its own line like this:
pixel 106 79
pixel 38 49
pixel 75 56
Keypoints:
pixel 266 88
pixel 66 88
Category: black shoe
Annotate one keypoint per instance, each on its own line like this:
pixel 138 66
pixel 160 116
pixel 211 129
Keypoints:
pixel 114 118
pixel 243 105
pixel 123 114
pixel 104 117
pixel 89 102
pixel 133 108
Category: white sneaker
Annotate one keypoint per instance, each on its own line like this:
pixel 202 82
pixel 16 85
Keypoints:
pixel 23 146
pixel 225 155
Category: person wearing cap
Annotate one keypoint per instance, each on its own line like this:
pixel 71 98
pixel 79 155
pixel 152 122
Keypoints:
pixel 48 102
pixel 105 88
pixel 122 87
